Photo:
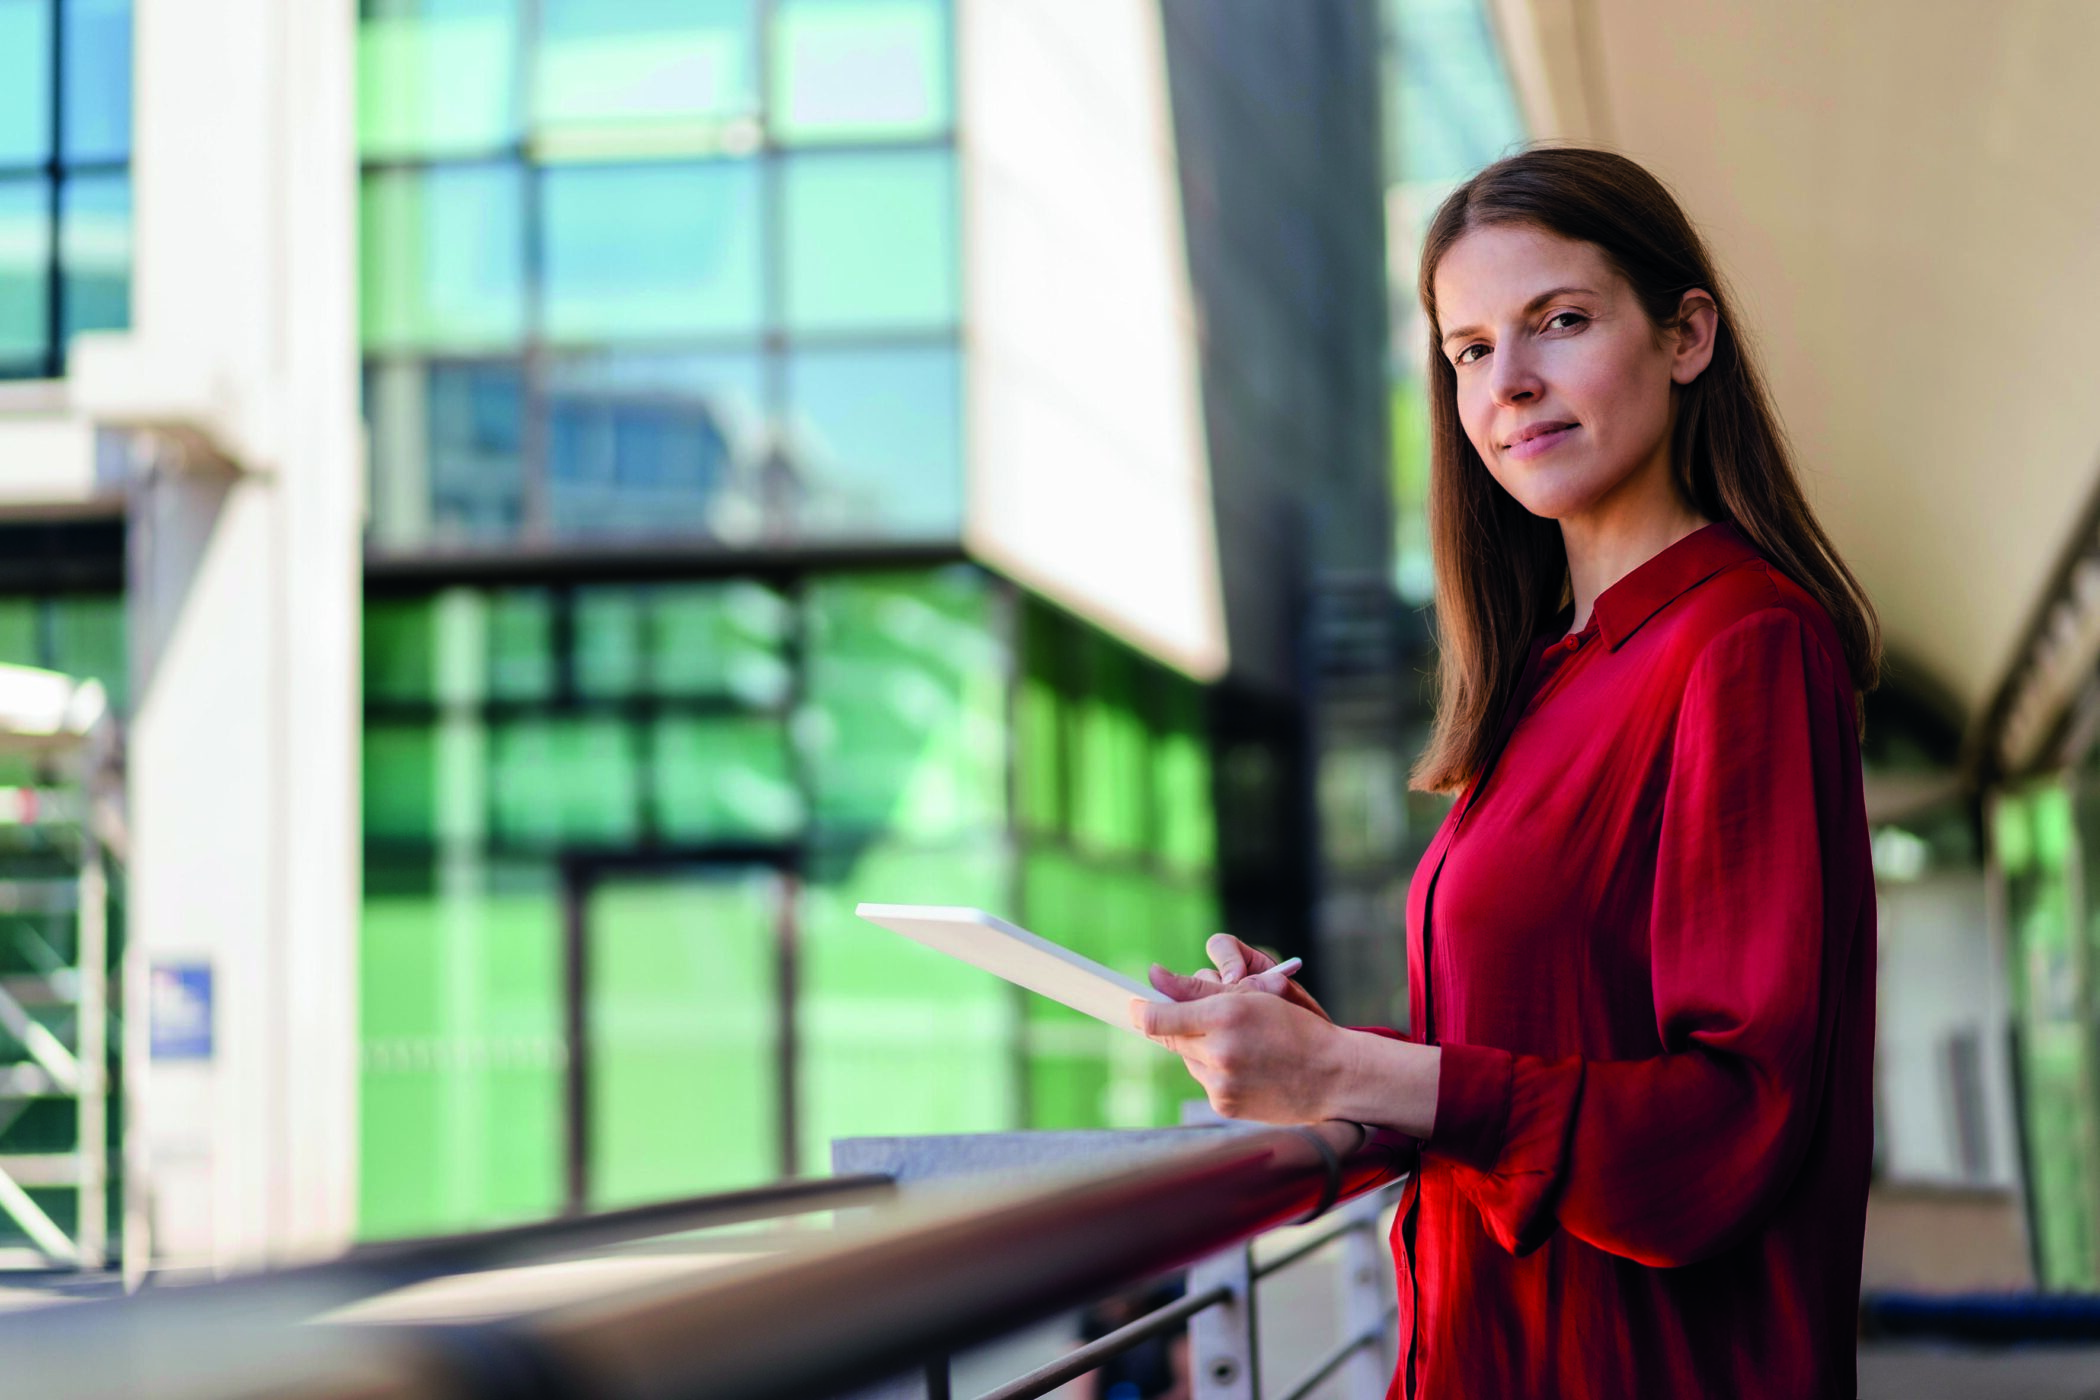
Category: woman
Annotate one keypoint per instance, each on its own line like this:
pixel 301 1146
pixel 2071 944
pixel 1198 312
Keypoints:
pixel 1641 946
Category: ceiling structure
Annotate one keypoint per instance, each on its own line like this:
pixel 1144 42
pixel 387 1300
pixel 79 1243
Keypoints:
pixel 1905 197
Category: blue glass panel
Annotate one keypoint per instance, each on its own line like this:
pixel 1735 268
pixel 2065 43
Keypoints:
pixel 444 258
pixel 652 251
pixel 871 241
pixel 876 442
pixel 97 87
pixel 476 436
pixel 847 70
pixel 25 82
pixel 437 77
pixel 94 252
pixel 642 444
pixel 25 273
pixel 642 72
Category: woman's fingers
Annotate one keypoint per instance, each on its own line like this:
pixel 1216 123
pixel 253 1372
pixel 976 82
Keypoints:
pixel 1235 959
pixel 1184 986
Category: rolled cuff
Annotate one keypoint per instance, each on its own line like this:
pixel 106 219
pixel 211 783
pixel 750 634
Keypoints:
pixel 1472 1105
pixel 1507 1119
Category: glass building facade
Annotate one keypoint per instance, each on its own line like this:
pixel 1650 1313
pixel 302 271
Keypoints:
pixel 65 178
pixel 615 835
pixel 676 268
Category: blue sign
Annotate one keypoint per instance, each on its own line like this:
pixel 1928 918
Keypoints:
pixel 182 1011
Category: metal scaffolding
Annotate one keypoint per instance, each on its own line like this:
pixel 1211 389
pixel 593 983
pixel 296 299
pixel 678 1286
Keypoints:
pixel 60 826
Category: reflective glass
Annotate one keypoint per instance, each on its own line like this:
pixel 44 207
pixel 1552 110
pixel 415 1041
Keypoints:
pixel 25 82
pixel 460 1019
pixel 475 432
pixel 521 644
pixel 25 272
pixel 871 240
pixel 724 778
pixel 651 251
pixel 444 258
pixel 628 73
pixel 721 639
pixel 565 780
pixel 437 77
pixel 94 252
pixel 875 445
pixel 848 70
pixel 610 623
pixel 97 92
pixel 685 1030
pixel 905 726
pixel 642 444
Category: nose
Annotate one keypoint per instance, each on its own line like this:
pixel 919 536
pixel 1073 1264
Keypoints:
pixel 1513 374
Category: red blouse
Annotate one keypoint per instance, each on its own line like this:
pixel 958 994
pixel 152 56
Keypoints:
pixel 1651 969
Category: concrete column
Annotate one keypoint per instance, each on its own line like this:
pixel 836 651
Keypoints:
pixel 240 376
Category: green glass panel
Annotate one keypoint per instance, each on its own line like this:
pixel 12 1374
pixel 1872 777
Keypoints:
pixel 871 241
pixel 2050 808
pixel 847 70
pixel 610 651
pixel 724 778
pixel 400 782
pixel 878 1012
pixel 906 725
pixel 25 82
pixel 19 645
pixel 460 1007
pixel 721 639
pixel 685 1037
pixel 88 642
pixel 94 252
pixel 626 75
pixel 2012 835
pixel 1039 756
pixel 875 442
pixel 1109 760
pixel 444 258
pixel 521 644
pixel 565 780
pixel 399 647
pixel 652 250
pixel 1183 807
pixel 25 280
pixel 436 77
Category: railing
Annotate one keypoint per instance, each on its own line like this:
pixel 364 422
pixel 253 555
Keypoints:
pixel 891 1292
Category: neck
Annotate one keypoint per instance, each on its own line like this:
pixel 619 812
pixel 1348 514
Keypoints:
pixel 1609 543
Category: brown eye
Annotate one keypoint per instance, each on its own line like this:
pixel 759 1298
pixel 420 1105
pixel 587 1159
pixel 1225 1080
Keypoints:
pixel 1466 356
pixel 1574 318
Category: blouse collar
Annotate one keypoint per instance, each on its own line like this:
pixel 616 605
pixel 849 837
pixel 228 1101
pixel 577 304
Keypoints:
pixel 1621 609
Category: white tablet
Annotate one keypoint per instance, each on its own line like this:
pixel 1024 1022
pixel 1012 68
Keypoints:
pixel 1023 958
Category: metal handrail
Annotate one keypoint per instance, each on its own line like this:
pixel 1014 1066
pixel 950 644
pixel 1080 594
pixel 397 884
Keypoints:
pixel 806 1324
pixel 930 1290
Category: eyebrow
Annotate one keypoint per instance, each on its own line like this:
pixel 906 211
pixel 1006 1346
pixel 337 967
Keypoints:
pixel 1530 306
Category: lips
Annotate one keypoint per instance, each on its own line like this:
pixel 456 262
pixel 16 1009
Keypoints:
pixel 1538 438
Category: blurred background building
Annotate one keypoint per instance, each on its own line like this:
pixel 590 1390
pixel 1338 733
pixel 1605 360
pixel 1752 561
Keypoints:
pixel 595 489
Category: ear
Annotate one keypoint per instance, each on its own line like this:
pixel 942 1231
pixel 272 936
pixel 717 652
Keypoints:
pixel 1698 322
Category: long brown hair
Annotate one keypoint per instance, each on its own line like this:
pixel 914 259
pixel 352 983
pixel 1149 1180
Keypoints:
pixel 1502 572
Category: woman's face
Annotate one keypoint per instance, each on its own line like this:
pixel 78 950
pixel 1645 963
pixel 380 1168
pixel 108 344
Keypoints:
pixel 1563 381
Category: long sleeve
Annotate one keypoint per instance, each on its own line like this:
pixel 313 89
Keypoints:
pixel 1761 866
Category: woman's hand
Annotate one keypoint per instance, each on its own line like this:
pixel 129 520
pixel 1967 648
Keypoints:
pixel 1264 1058
pixel 1258 1057
pixel 1239 968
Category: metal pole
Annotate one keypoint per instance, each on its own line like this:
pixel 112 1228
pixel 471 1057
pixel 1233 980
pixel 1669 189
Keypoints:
pixel 1225 1360
pixel 92 1229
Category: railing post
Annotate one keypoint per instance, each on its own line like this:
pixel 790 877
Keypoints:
pixel 1366 1284
pixel 1224 1360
